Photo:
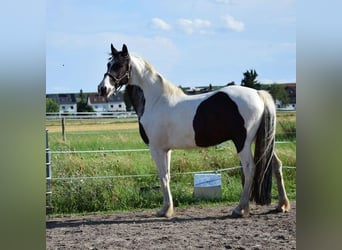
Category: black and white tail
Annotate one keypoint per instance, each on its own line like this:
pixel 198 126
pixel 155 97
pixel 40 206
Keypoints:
pixel 263 154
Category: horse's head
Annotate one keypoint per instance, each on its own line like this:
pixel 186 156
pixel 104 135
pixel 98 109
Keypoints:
pixel 118 72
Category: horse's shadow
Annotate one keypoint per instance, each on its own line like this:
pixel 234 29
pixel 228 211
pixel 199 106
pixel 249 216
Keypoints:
pixel 143 219
pixel 134 221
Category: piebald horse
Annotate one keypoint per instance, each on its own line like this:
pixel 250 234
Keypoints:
pixel 170 119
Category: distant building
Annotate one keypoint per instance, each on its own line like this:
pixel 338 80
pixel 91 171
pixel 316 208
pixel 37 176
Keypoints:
pixel 67 102
pixel 291 93
pixel 99 103
pixel 116 102
pixel 102 104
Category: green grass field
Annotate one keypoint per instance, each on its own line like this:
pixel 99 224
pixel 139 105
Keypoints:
pixel 107 194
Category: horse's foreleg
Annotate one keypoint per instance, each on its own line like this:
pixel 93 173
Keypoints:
pixel 248 167
pixel 283 201
pixel 162 159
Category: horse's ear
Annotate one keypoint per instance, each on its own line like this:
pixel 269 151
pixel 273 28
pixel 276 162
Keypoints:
pixel 124 50
pixel 114 51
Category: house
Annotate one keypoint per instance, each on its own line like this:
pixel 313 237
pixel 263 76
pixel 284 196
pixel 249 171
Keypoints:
pixel 103 104
pixel 291 91
pixel 67 102
pixel 99 103
pixel 116 102
pixel 290 88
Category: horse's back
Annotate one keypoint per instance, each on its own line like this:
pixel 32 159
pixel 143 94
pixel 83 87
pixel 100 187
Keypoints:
pixel 206 119
pixel 248 101
pixel 244 97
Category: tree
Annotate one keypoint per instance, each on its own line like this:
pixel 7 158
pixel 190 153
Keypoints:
pixel 279 93
pixel 82 105
pixel 249 79
pixel 51 106
pixel 82 97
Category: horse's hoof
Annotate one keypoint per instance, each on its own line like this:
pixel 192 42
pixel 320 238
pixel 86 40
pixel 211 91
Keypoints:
pixel 278 210
pixel 163 213
pixel 284 208
pixel 236 214
pixel 281 209
pixel 160 214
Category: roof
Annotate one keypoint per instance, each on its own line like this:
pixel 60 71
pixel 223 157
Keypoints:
pixel 118 97
pixel 96 98
pixel 63 98
pixel 291 91
pixel 288 85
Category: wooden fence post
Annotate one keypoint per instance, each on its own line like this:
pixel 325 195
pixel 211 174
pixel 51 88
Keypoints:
pixel 63 128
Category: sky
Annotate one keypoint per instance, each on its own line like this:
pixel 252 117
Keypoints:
pixel 189 42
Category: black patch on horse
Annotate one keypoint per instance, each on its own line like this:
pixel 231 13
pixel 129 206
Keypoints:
pixel 218 119
pixel 143 134
pixel 136 95
pixel 137 98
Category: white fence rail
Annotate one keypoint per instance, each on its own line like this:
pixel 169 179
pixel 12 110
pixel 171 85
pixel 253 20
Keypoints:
pixel 90 115
pixel 96 115
pixel 136 176
pixel 48 172
pixel 82 178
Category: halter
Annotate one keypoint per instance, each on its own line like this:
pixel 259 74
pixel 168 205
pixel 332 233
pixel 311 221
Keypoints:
pixel 117 81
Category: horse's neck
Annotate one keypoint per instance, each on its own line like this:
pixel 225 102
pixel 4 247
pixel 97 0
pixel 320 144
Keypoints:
pixel 137 98
pixel 152 84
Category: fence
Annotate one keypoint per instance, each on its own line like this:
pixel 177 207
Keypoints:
pixel 90 115
pixel 113 114
pixel 48 173
pixel 134 176
pixel 49 168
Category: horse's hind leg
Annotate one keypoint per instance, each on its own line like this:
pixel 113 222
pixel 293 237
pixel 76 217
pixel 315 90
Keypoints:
pixel 162 159
pixel 248 167
pixel 283 201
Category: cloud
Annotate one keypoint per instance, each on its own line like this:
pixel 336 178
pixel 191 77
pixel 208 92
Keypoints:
pixel 194 26
pixel 158 23
pixel 98 45
pixel 232 23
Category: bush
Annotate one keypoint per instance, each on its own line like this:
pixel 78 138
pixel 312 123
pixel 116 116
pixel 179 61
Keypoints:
pixel 51 106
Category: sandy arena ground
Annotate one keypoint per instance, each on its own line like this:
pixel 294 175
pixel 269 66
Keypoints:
pixel 190 228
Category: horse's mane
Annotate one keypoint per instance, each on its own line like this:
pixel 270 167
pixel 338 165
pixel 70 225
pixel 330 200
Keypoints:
pixel 166 85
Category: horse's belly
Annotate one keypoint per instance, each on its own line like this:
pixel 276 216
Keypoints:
pixel 180 136
pixel 171 132
pixel 182 139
